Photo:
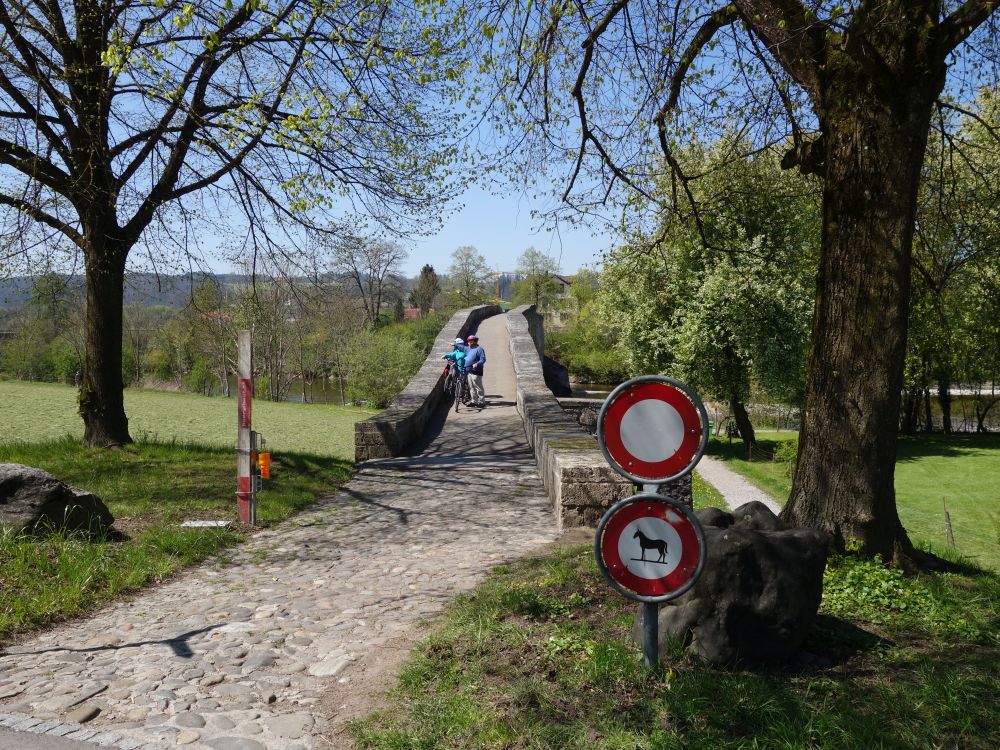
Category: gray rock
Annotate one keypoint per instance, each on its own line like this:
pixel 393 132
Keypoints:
pixel 234 743
pixel 83 713
pixel 755 515
pixel 291 726
pixel 758 593
pixel 220 722
pixel 32 499
pixel 190 720
pixel 714 517
pixel 330 667
pixel 259 661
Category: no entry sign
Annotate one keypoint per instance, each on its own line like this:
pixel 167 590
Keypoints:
pixel 652 429
pixel 650 548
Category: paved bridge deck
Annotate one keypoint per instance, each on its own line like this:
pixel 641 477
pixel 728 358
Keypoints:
pixel 265 648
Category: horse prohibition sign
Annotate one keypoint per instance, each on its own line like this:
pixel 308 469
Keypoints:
pixel 650 548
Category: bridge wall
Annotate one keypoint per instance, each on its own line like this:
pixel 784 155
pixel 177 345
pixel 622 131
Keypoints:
pixel 577 478
pixel 390 432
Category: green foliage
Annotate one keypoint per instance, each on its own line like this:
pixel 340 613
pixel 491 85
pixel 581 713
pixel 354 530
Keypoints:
pixel 583 341
pixel 469 277
pixel 426 290
pixel 734 317
pixel 536 285
pixel 378 366
pixel 868 590
pixel 585 345
pixel 954 335
pixel 201 379
pixel 787 453
pixel 63 359
pixel 422 331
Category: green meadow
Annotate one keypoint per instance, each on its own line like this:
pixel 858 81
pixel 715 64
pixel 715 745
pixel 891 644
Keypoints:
pixel 960 472
pixel 33 412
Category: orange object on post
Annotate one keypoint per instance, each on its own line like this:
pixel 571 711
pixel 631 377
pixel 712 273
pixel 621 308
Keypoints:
pixel 264 460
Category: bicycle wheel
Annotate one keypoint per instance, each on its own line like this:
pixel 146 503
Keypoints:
pixel 457 391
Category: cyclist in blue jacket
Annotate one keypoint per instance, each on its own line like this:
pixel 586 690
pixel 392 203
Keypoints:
pixel 475 360
pixel 457 355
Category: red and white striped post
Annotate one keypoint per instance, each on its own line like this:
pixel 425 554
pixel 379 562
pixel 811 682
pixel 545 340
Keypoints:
pixel 246 501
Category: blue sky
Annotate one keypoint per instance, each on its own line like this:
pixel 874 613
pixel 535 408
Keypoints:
pixel 502 228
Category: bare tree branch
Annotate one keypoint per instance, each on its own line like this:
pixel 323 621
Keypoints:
pixel 963 21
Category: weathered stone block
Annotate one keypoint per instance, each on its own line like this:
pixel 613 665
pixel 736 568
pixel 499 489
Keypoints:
pixel 33 499
pixel 758 594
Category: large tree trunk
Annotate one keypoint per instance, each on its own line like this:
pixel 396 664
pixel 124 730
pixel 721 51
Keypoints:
pixel 944 399
pixel 911 410
pixel 875 129
pixel 743 423
pixel 102 402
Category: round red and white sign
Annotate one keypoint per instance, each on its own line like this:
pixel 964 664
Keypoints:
pixel 652 429
pixel 650 548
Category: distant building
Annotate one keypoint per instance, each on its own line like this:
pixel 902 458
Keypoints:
pixel 564 283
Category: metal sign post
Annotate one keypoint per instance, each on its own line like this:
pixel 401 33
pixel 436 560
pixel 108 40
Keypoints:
pixel 246 496
pixel 651 548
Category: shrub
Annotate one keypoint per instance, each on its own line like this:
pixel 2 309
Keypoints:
pixel 201 379
pixel 378 365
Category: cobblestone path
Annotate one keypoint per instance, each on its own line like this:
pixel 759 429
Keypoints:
pixel 241 653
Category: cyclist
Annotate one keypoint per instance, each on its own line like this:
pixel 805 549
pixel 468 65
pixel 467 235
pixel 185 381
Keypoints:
pixel 456 359
pixel 475 360
pixel 457 355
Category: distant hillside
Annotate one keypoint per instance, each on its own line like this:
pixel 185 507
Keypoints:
pixel 141 288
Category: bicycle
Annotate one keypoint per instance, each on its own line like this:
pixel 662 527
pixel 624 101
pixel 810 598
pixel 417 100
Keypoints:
pixel 456 386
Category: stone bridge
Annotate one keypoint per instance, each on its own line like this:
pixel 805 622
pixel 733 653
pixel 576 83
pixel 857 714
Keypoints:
pixel 577 479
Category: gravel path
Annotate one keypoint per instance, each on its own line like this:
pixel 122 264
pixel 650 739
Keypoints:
pixel 244 653
pixel 734 488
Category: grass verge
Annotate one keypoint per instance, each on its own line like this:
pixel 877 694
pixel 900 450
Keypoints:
pixel 150 488
pixel 47 411
pixel 540 657
pixel 960 471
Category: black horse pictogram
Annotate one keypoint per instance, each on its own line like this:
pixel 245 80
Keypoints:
pixel 660 545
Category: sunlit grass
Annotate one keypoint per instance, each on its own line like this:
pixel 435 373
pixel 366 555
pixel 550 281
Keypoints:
pixel 36 412
pixel 540 656
pixel 150 489
pixel 963 470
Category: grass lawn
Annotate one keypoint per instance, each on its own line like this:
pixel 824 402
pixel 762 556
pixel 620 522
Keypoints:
pixel 963 469
pixel 44 411
pixel 540 657
pixel 185 469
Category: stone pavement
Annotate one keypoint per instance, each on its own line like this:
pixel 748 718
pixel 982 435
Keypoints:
pixel 243 653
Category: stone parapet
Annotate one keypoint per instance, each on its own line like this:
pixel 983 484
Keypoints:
pixel 390 432
pixel 578 480
pixel 583 410
pixel 577 477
